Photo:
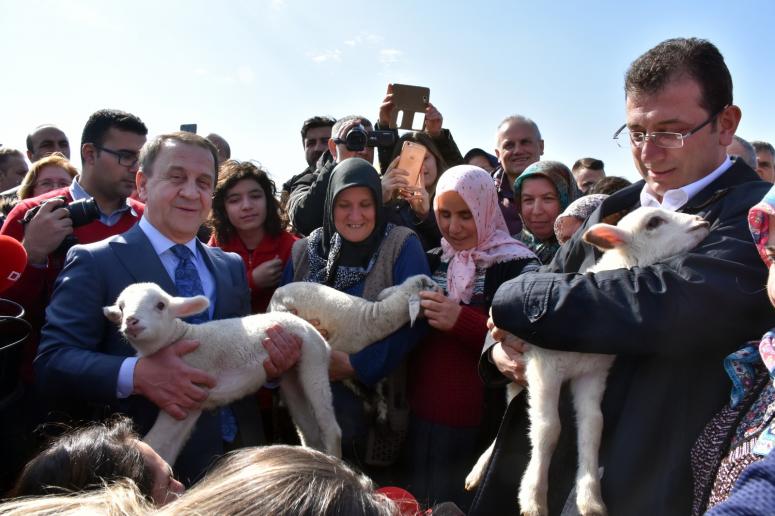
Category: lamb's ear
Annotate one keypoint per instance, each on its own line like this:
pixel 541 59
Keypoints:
pixel 113 313
pixel 606 236
pixel 384 294
pixel 414 308
pixel 186 306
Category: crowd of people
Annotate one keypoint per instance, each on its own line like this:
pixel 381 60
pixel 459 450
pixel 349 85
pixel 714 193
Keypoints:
pixel 499 233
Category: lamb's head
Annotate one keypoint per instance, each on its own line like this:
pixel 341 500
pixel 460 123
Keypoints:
pixel 410 290
pixel 647 235
pixel 147 315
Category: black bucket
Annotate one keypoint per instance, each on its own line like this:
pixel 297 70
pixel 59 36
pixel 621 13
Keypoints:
pixel 14 330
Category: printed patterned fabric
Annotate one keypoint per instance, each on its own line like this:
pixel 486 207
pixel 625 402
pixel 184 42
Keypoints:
pixel 759 223
pixel 189 284
pixel 494 245
pixel 324 269
pixel 187 280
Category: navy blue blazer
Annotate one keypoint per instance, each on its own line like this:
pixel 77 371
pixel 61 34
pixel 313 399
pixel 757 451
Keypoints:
pixel 81 352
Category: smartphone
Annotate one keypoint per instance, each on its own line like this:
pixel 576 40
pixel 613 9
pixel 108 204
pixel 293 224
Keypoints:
pixel 412 156
pixel 409 100
pixel 188 128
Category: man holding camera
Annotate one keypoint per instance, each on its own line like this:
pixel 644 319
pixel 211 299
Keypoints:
pixel 96 206
pixel 351 136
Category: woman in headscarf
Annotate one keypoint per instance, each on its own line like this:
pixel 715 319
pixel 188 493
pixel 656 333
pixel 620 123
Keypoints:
pixel 446 396
pixel 412 207
pixel 542 192
pixel 743 432
pixel 358 252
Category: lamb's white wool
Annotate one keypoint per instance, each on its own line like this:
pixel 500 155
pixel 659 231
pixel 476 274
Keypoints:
pixel 232 351
pixel 351 322
pixel 643 237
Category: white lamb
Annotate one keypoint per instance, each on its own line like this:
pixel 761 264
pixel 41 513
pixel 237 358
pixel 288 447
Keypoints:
pixel 232 351
pixel 643 237
pixel 352 323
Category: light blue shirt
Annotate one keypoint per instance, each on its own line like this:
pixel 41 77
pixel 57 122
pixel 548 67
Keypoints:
pixel 78 193
pixel 163 245
pixel 674 200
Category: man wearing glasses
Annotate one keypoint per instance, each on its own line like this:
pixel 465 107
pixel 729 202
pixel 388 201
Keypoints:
pixel 110 147
pixel 670 324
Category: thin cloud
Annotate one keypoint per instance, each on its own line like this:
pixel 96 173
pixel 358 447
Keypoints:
pixel 389 56
pixel 326 56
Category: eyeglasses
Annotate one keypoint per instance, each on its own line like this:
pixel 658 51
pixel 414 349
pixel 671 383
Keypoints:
pixel 125 158
pixel 50 183
pixel 666 140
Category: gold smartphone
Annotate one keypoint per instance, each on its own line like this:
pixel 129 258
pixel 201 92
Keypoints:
pixel 412 156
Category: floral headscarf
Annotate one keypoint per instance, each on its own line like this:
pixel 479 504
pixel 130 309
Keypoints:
pixel 741 365
pixel 494 245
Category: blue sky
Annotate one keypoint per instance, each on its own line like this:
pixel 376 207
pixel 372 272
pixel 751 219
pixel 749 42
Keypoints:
pixel 254 70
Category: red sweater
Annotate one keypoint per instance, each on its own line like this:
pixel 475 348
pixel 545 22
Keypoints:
pixel 34 288
pixel 269 247
pixel 444 385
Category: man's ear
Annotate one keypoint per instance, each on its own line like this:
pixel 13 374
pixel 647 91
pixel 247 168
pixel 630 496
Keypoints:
pixel 727 124
pixel 141 181
pixel 88 153
pixel 332 147
pixel 29 156
pixel 541 145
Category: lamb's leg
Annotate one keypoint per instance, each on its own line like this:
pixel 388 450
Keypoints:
pixel 300 410
pixel 587 395
pixel 168 435
pixel 313 377
pixel 543 396
pixel 477 472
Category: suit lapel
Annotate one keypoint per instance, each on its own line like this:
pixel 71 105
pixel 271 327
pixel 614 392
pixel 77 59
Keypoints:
pixel 135 252
pixel 219 269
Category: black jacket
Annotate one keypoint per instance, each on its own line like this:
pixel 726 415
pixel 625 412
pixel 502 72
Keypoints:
pixel 670 325
pixel 305 203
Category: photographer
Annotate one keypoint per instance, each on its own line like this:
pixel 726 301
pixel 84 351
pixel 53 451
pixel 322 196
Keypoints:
pixel 95 206
pixel 351 136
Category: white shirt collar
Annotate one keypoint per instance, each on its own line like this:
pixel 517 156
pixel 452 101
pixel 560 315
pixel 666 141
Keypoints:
pixel 160 242
pixel 674 200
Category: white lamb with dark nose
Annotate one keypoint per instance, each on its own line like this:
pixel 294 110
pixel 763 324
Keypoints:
pixel 643 237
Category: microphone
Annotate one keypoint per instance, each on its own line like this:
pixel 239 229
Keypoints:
pixel 13 260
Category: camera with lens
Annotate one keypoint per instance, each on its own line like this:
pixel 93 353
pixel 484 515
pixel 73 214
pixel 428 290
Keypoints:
pixel 80 212
pixel 358 138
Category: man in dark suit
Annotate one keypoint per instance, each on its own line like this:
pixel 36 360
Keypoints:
pixel 83 357
pixel 670 324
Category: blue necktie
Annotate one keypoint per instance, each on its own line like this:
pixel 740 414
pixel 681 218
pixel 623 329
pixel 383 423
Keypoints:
pixel 187 280
pixel 188 284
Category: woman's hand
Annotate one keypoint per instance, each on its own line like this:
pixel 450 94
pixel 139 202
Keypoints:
pixel 340 367
pixel 418 200
pixel 386 108
pixel 433 121
pixel 268 274
pixel 441 311
pixel 394 179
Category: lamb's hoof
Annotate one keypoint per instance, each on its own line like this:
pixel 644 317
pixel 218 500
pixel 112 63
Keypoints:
pixel 532 501
pixel 473 478
pixel 532 508
pixel 591 508
pixel 588 499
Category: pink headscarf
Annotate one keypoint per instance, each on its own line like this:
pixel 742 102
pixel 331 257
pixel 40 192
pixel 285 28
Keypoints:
pixel 494 244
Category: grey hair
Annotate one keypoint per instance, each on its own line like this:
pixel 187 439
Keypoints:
pixel 518 119
pixel 347 120
pixel 759 146
pixel 749 153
